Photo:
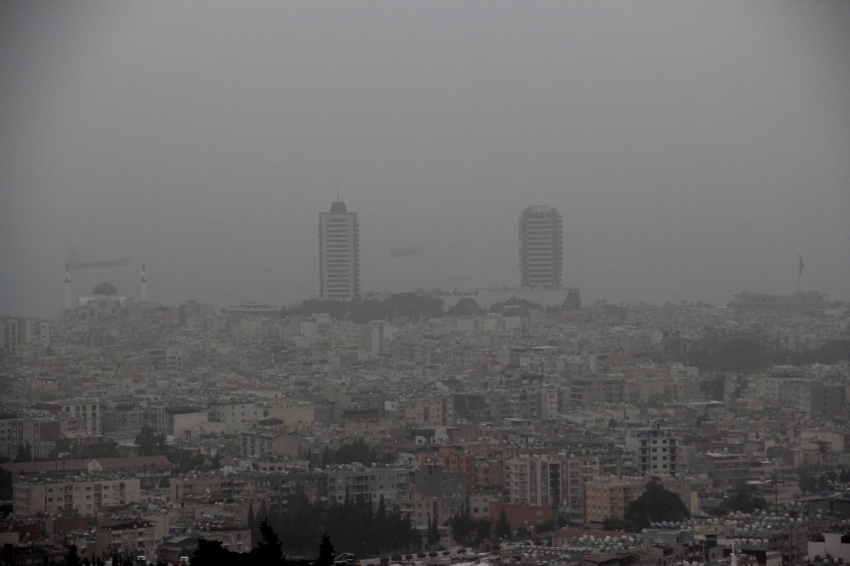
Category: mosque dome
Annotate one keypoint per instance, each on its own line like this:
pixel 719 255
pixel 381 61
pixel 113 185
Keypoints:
pixel 104 288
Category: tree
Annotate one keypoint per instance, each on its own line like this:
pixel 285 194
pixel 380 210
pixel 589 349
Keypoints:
pixel 326 551
pixel 72 557
pixel 252 523
pixel 656 504
pixel 741 500
pixel 149 442
pixel 545 526
pixel 808 484
pixel 24 453
pixel 99 450
pixel 61 446
pixel 618 525
pixel 464 307
pixel 5 485
pixel 433 534
pixel 269 551
pixel 503 527
pixel 357 451
pixel 210 553
pixel 523 531
pixel 262 515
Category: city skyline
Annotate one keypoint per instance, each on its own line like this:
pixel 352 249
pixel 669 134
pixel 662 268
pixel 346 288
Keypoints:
pixel 692 150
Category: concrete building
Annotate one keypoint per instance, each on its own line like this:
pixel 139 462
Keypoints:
pixel 357 483
pixel 86 408
pixel 339 253
pixel 607 497
pixel 541 248
pixel 432 480
pixel 234 414
pixel 16 334
pixel 133 536
pixel 175 421
pixel 656 450
pixel 85 494
pixel 169 359
pixel 261 441
pixel 535 480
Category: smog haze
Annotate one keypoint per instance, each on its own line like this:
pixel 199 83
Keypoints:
pixel 694 150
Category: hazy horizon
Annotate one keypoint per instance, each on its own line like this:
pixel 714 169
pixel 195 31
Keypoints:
pixel 694 150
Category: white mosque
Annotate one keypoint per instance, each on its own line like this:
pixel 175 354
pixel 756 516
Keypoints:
pixel 103 300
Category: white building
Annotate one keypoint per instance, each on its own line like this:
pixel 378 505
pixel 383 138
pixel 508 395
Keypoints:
pixel 656 450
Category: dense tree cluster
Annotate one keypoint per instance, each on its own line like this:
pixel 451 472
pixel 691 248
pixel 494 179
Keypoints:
pixel 267 552
pixel 468 531
pixel 815 481
pixel 741 499
pixel 64 448
pixel 354 527
pixel 357 451
pixel 467 306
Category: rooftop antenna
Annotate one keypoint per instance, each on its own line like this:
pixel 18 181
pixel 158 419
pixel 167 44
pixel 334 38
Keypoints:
pixel 337 191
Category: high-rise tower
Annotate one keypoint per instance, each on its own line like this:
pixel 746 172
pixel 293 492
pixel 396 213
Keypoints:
pixel 541 248
pixel 339 253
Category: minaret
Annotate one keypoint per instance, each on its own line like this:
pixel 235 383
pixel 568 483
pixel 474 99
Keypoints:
pixel 67 288
pixel 144 294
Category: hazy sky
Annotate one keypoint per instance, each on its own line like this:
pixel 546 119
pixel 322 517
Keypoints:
pixel 694 149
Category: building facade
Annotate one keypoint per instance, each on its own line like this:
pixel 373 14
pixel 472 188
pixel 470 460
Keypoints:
pixel 541 248
pixel 656 449
pixel 339 253
pixel 84 494
pixel 606 497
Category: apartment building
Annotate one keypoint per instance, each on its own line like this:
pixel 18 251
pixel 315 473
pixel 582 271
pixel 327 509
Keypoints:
pixel 357 483
pixel 234 415
pixel 86 408
pixel 607 497
pixel 655 448
pixel 132 536
pixel 535 480
pixel 86 493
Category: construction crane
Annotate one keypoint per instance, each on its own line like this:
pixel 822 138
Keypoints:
pixel 75 262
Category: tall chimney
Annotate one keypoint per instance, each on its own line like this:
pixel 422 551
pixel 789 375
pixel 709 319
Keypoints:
pixel 144 280
pixel 67 288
